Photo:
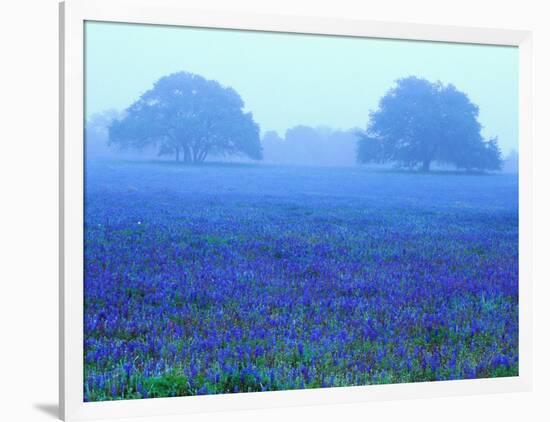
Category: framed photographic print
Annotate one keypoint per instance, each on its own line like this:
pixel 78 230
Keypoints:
pixel 267 210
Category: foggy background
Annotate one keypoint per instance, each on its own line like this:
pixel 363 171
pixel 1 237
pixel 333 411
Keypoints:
pixel 309 94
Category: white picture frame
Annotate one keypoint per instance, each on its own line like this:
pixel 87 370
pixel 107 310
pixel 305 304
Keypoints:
pixel 73 14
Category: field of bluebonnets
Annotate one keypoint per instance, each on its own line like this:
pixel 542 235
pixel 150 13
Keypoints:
pixel 235 278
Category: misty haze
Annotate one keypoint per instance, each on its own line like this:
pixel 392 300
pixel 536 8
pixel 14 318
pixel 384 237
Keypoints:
pixel 271 211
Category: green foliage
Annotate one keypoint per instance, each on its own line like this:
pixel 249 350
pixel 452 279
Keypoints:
pixel 186 114
pixel 419 122
pixel 169 385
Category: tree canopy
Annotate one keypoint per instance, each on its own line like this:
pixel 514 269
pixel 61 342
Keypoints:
pixel 187 115
pixel 419 122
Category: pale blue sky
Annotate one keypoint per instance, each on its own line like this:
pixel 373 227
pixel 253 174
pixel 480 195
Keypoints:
pixel 288 79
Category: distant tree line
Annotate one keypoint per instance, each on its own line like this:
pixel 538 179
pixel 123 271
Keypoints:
pixel 417 123
pixel 305 145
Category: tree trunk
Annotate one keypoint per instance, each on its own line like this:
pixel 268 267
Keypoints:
pixel 202 155
pixel 177 155
pixel 186 155
pixel 426 165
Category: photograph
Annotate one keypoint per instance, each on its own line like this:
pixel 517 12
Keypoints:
pixel 268 211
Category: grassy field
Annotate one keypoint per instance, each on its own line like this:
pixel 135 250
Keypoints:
pixel 235 278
